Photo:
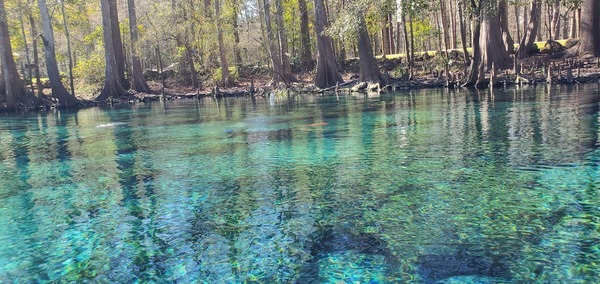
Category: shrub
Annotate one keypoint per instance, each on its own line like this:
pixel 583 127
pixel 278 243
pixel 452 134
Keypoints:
pixel 90 70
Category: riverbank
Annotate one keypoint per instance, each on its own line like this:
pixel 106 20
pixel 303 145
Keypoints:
pixel 534 70
pixel 429 72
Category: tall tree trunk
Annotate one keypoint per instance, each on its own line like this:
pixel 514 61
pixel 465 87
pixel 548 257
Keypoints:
pixel 385 36
pixel 555 21
pixel 222 53
pixel 112 81
pixel 58 89
pixel 488 51
pixel 327 73
pixel 476 66
pixel 138 81
pixel 463 35
pixel 369 71
pixel 574 27
pixel 390 27
pixel 445 20
pixel 509 43
pixel 589 40
pixel 411 60
pixel 27 57
pixel 305 53
pixel 452 25
pixel 283 43
pixel 117 42
pixel 445 47
pixel 36 62
pixel 539 19
pixel 530 33
pixel 517 23
pixel 207 10
pixel 68 36
pixel 16 94
pixel 278 75
pixel 236 35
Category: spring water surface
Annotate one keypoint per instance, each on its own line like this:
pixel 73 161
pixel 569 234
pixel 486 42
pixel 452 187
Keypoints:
pixel 425 186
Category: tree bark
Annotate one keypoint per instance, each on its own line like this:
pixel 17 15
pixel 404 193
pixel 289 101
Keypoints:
pixel 489 53
pixel 445 47
pixel 58 89
pixel 589 40
pixel 517 24
pixel 27 57
pixel 327 73
pixel 509 43
pixel 36 62
pixel 411 60
pixel 284 54
pixel 112 81
pixel 222 53
pixel 530 33
pixel 445 20
pixel 278 75
pixel 138 81
pixel 236 35
pixel 555 21
pixel 452 25
pixel 305 53
pixel 117 42
pixel 369 71
pixel 574 27
pixel 16 94
pixel 385 37
pixel 476 67
pixel 68 36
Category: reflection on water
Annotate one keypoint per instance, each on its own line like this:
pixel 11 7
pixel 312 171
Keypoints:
pixel 425 186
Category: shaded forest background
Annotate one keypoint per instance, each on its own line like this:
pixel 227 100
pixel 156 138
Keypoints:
pixel 61 51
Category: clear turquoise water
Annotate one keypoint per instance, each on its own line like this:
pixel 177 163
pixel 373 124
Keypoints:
pixel 425 186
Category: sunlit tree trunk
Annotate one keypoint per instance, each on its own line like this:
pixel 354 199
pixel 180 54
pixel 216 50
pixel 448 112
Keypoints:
pixel 70 57
pixel 24 36
pixel 58 89
pixel 327 73
pixel 589 40
pixel 278 75
pixel 138 81
pixel 222 54
pixel 445 20
pixel 36 67
pixel 369 71
pixel 112 81
pixel 488 47
pixel 16 94
pixel 117 42
pixel 284 54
